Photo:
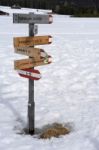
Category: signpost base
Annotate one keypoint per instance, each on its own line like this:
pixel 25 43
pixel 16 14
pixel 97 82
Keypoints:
pixel 31 132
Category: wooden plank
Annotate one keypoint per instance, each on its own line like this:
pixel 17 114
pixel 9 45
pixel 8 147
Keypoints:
pixel 32 18
pixel 29 51
pixel 31 41
pixel 29 63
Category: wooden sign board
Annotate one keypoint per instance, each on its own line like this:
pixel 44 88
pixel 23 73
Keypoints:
pixel 31 41
pixel 29 63
pixel 32 18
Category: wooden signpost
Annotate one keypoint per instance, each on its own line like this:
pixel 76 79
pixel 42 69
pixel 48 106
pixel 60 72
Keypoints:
pixel 31 41
pixel 37 56
pixel 29 63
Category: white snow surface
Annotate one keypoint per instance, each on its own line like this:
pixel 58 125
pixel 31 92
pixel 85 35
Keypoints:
pixel 68 91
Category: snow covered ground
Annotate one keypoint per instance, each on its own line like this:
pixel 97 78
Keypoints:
pixel 67 93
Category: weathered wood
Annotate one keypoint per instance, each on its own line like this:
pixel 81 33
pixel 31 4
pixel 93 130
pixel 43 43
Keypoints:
pixel 31 41
pixel 29 63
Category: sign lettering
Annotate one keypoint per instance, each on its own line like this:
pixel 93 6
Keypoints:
pixel 29 51
pixel 31 41
pixel 32 18
pixel 29 63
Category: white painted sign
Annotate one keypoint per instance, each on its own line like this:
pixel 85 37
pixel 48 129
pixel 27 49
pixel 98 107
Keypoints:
pixel 30 73
pixel 35 29
pixel 32 18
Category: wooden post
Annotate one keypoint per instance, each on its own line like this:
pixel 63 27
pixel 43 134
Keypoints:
pixel 31 103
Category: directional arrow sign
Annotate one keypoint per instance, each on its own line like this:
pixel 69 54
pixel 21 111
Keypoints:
pixel 36 53
pixel 31 41
pixel 32 18
pixel 29 63
pixel 43 54
pixel 30 73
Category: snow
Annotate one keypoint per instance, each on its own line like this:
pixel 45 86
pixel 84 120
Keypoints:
pixel 23 10
pixel 68 91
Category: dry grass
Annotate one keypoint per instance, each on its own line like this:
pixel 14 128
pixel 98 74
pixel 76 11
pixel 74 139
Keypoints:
pixel 55 130
pixel 50 130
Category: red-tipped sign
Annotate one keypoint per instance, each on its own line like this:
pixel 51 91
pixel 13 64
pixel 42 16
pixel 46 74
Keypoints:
pixel 48 58
pixel 30 74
